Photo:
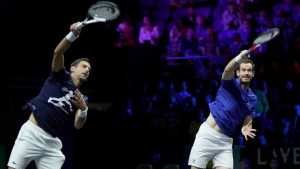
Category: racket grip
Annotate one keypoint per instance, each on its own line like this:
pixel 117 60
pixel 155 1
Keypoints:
pixel 253 48
pixel 80 25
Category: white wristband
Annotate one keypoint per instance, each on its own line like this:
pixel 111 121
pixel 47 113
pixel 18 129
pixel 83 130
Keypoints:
pixel 71 37
pixel 243 128
pixel 83 113
pixel 238 58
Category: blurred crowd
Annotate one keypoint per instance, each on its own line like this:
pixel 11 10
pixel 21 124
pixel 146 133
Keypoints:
pixel 170 55
pixel 175 51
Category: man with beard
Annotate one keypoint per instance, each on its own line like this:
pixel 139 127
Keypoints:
pixel 59 104
pixel 234 105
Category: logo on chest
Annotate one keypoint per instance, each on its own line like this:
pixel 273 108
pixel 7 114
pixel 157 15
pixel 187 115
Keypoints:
pixel 63 102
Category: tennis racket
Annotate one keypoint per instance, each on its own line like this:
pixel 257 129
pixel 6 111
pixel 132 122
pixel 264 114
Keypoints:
pixel 263 38
pixel 100 11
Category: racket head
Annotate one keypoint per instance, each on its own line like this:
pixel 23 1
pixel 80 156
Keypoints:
pixel 266 36
pixel 104 10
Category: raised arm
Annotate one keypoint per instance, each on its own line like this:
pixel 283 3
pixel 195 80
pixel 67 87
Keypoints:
pixel 62 47
pixel 228 72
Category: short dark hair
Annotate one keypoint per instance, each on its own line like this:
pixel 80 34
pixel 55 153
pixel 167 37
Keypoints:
pixel 247 61
pixel 77 61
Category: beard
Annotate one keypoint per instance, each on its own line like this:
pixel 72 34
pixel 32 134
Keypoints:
pixel 83 78
pixel 245 80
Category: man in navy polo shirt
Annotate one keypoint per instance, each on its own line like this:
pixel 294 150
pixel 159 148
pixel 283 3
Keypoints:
pixel 58 102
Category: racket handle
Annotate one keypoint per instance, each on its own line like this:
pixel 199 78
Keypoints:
pixel 253 48
pixel 80 25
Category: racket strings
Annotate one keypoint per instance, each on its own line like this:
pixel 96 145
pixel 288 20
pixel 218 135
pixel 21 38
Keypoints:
pixel 104 10
pixel 262 39
pixel 266 36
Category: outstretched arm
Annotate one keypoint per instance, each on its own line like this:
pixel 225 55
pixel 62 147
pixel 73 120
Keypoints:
pixel 247 129
pixel 81 113
pixel 228 72
pixel 62 47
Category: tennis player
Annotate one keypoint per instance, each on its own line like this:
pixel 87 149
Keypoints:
pixel 59 101
pixel 233 106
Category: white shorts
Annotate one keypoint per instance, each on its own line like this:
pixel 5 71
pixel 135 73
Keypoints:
pixel 211 145
pixel 33 143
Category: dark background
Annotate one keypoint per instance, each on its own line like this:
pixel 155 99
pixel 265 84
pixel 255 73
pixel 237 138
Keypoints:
pixel 30 30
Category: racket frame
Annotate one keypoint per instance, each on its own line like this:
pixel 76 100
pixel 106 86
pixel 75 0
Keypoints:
pixel 269 34
pixel 94 19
